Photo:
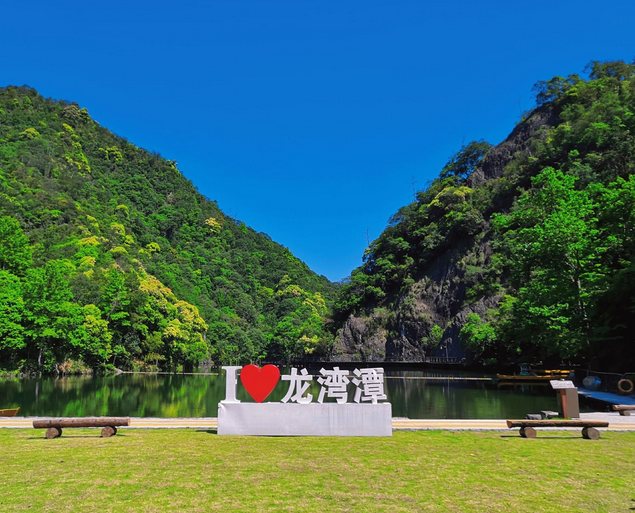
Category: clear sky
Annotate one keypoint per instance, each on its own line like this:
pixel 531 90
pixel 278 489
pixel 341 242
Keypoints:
pixel 312 121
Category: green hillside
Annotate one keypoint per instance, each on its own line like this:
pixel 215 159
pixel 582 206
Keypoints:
pixel 110 257
pixel 523 251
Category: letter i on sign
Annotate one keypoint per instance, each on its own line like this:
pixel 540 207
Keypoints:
pixel 230 383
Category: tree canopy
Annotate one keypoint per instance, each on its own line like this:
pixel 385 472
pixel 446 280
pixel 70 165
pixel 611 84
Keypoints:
pixel 537 260
pixel 109 256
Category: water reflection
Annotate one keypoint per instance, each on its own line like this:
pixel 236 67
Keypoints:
pixel 414 393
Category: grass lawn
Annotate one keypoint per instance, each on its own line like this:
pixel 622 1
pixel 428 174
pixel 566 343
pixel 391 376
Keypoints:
pixel 188 470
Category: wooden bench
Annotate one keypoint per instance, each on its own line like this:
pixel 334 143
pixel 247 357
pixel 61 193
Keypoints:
pixel 624 409
pixel 589 427
pixel 54 426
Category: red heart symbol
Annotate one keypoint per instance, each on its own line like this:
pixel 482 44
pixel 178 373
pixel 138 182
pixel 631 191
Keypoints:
pixel 258 382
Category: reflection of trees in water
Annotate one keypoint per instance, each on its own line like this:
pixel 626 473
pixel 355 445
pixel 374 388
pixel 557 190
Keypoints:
pixel 151 395
pixel 453 399
pixel 171 395
pixel 126 395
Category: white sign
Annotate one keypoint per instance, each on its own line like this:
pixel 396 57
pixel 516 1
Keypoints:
pixel 369 384
pixel 315 419
pixel 305 417
pixel 558 384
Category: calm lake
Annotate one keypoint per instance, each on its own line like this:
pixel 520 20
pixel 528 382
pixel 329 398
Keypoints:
pixel 414 393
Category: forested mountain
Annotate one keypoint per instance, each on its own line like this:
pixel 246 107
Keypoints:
pixel 523 251
pixel 110 257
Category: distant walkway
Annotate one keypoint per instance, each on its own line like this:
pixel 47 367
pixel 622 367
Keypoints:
pixel 616 423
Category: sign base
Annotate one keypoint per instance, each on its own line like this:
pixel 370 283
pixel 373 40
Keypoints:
pixel 314 419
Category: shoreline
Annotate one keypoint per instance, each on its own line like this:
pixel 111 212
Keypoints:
pixel 616 423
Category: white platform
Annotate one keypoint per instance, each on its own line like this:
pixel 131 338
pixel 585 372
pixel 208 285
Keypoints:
pixel 314 419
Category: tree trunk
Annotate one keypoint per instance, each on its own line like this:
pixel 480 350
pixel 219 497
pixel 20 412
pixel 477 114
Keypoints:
pixel 582 306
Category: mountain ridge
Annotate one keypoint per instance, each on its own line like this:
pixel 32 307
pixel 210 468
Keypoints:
pixel 509 254
pixel 165 277
pixel 520 252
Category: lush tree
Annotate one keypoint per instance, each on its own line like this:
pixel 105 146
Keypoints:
pixel 12 341
pixel 15 252
pixel 549 238
pixel 549 90
pixel 477 336
pixel 563 244
pixel 94 337
pixel 463 163
pixel 611 69
pixel 51 317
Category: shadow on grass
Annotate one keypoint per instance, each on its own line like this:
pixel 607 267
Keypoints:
pixel 544 437
pixel 43 438
pixel 210 431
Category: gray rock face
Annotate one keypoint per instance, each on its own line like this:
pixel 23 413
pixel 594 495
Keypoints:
pixel 493 164
pixel 359 342
pixel 436 302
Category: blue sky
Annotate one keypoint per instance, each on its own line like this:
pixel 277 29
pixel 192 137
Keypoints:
pixel 312 121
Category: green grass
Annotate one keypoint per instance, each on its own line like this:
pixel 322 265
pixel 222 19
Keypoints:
pixel 188 470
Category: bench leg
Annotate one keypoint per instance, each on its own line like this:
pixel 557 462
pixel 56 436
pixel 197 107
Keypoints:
pixel 108 431
pixel 590 433
pixel 53 432
pixel 625 413
pixel 527 432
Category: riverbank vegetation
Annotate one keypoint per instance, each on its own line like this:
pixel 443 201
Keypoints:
pixel 524 251
pixel 440 471
pixel 109 257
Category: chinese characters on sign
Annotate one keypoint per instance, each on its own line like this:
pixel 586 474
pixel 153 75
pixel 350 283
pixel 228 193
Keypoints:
pixel 372 389
pixel 334 384
pixel 298 384
pixel 324 398
pixel 368 383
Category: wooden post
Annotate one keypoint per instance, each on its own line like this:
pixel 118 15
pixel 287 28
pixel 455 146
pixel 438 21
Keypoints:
pixel 563 402
pixel 590 433
pixel 108 431
pixel 527 432
pixel 53 432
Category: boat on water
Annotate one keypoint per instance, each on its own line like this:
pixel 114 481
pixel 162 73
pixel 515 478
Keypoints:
pixel 528 374
pixel 10 412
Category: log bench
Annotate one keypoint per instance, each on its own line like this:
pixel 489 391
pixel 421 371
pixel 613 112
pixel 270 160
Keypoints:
pixel 624 409
pixel 589 427
pixel 54 426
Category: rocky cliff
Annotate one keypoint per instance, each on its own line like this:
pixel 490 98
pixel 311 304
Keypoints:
pixel 425 316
